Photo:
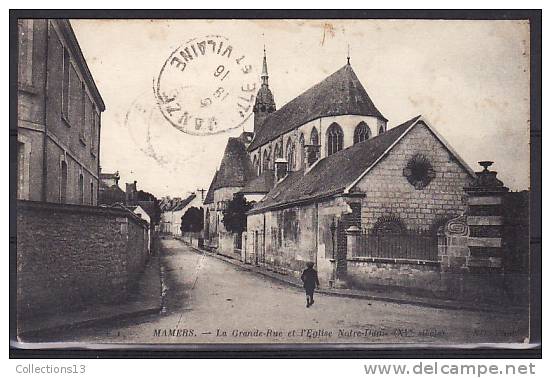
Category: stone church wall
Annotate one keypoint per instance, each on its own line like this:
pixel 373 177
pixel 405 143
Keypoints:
pixel 285 239
pixel 70 256
pixel 389 194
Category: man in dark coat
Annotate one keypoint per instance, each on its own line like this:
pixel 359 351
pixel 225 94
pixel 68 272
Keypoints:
pixel 310 281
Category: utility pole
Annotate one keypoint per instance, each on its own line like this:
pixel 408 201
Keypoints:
pixel 202 191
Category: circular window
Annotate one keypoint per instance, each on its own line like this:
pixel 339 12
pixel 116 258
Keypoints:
pixel 419 171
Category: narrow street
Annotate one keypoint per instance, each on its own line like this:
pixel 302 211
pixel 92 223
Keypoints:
pixel 212 301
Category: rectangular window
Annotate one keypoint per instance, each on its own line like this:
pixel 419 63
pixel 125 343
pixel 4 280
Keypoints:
pixel 63 183
pixel 25 64
pixel 65 85
pixel 75 97
pixel 83 119
pixel 93 131
pixel 81 189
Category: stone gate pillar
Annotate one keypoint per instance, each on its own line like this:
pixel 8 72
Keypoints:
pixel 352 241
pixel 485 219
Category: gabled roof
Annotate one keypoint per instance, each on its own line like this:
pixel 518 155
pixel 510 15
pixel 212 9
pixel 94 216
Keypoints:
pixel 148 207
pixel 236 168
pixel 340 93
pixel 176 204
pixel 340 172
pixel 183 203
pixel 261 184
pixel 209 198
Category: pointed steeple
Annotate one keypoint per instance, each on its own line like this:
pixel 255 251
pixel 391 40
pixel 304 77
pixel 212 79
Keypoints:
pixel 264 103
pixel 264 75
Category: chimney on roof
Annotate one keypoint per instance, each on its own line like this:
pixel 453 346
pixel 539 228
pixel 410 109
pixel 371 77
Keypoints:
pixel 131 193
pixel 280 168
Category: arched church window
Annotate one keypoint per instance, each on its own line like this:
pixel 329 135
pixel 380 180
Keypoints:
pixel 290 154
pixel 266 160
pixel 256 165
pixel 314 137
pixel 300 152
pixel 381 129
pixel 278 151
pixel 361 132
pixel 334 138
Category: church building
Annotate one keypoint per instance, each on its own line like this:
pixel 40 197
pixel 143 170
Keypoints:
pixel 326 166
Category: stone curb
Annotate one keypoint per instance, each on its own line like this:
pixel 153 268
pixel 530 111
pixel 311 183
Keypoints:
pixel 439 304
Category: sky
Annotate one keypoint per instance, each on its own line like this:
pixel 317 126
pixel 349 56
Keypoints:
pixel 469 79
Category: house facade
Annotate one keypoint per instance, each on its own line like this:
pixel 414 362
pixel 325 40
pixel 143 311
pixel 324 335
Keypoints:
pixel 71 253
pixel 59 116
pixel 172 211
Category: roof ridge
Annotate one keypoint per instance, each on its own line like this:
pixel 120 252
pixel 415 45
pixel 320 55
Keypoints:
pixel 323 99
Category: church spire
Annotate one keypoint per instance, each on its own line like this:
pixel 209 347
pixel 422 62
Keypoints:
pixel 264 103
pixel 264 75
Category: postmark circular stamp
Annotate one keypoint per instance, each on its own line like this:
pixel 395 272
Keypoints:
pixel 206 86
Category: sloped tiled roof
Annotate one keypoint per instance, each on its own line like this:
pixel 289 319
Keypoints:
pixel 260 184
pixel 183 203
pixel 209 198
pixel 340 93
pixel 149 207
pixel 236 168
pixel 334 173
pixel 164 203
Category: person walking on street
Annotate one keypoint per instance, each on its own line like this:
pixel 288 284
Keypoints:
pixel 310 280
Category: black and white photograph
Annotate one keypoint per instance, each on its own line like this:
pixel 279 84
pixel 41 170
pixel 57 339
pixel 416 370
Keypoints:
pixel 205 182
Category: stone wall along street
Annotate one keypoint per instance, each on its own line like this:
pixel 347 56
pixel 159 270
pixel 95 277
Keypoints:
pixel 70 256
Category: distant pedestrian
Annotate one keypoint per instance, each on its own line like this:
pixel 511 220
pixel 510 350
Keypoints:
pixel 310 280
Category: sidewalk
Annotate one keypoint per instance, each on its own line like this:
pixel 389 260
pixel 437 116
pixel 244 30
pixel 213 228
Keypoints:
pixel 144 299
pixel 389 295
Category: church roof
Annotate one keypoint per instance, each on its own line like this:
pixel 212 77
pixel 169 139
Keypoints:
pixel 333 174
pixel 209 198
pixel 261 184
pixel 338 94
pixel 236 168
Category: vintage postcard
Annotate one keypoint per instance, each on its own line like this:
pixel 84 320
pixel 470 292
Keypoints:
pixel 206 182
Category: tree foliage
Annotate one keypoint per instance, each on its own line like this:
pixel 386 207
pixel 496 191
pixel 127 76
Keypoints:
pixel 234 215
pixel 192 220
